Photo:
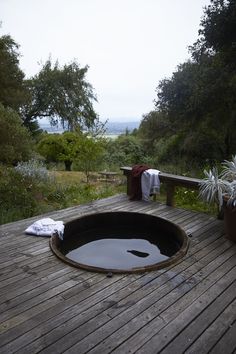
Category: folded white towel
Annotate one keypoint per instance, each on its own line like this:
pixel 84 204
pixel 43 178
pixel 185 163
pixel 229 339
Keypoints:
pixel 46 227
pixel 150 183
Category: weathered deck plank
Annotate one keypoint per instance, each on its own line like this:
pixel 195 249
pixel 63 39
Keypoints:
pixel 141 314
pixel 50 307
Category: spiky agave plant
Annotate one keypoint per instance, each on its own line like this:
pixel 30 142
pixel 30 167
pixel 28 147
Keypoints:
pixel 215 186
pixel 232 195
pixel 212 187
pixel 229 174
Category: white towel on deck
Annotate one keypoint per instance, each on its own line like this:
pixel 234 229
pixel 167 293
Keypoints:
pixel 150 183
pixel 46 227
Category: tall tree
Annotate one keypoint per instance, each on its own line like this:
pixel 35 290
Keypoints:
pixel 199 98
pixel 12 91
pixel 217 33
pixel 217 41
pixel 153 127
pixel 62 95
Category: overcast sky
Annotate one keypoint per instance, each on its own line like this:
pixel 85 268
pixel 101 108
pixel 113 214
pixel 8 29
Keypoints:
pixel 129 45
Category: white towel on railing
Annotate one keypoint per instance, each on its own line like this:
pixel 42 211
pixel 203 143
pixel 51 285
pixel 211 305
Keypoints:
pixel 150 183
pixel 46 227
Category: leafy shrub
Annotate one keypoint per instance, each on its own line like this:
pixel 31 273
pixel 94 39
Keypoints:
pixel 14 196
pixel 15 142
pixel 23 190
pixel 126 150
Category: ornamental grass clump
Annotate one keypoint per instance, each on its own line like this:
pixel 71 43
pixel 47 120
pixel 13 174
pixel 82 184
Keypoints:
pixel 219 187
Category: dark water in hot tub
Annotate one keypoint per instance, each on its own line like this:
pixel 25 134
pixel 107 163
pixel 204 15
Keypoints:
pixel 120 249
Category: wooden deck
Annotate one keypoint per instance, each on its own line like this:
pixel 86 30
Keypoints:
pixel 50 307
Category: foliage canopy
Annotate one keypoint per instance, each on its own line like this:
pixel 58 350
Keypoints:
pixel 62 95
pixel 72 147
pixel 197 103
pixel 12 91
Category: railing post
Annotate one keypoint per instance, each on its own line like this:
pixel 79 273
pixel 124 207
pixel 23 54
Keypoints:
pixel 128 184
pixel 127 173
pixel 170 192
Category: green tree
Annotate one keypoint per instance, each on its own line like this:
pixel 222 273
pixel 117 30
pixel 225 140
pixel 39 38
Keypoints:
pixel 125 150
pixel 68 154
pixel 217 32
pixel 15 140
pixel 199 99
pixel 59 148
pixel 72 147
pixel 217 43
pixel 62 95
pixel 12 90
pixel 153 127
pixel 89 154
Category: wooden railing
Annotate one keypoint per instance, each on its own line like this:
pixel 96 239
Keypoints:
pixel 170 180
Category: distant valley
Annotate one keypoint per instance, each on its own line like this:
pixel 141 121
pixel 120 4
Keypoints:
pixel 112 128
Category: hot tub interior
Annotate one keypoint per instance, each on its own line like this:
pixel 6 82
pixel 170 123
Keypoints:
pixel 120 242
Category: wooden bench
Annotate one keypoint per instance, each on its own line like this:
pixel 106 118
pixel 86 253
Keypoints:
pixel 170 180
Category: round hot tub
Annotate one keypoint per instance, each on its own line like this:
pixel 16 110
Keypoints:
pixel 120 242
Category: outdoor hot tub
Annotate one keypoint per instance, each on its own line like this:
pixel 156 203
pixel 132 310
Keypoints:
pixel 120 242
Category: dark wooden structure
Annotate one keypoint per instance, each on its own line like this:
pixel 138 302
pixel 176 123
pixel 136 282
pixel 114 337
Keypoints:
pixel 49 307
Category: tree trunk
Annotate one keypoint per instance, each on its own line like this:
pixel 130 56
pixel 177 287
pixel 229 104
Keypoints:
pixel 68 164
